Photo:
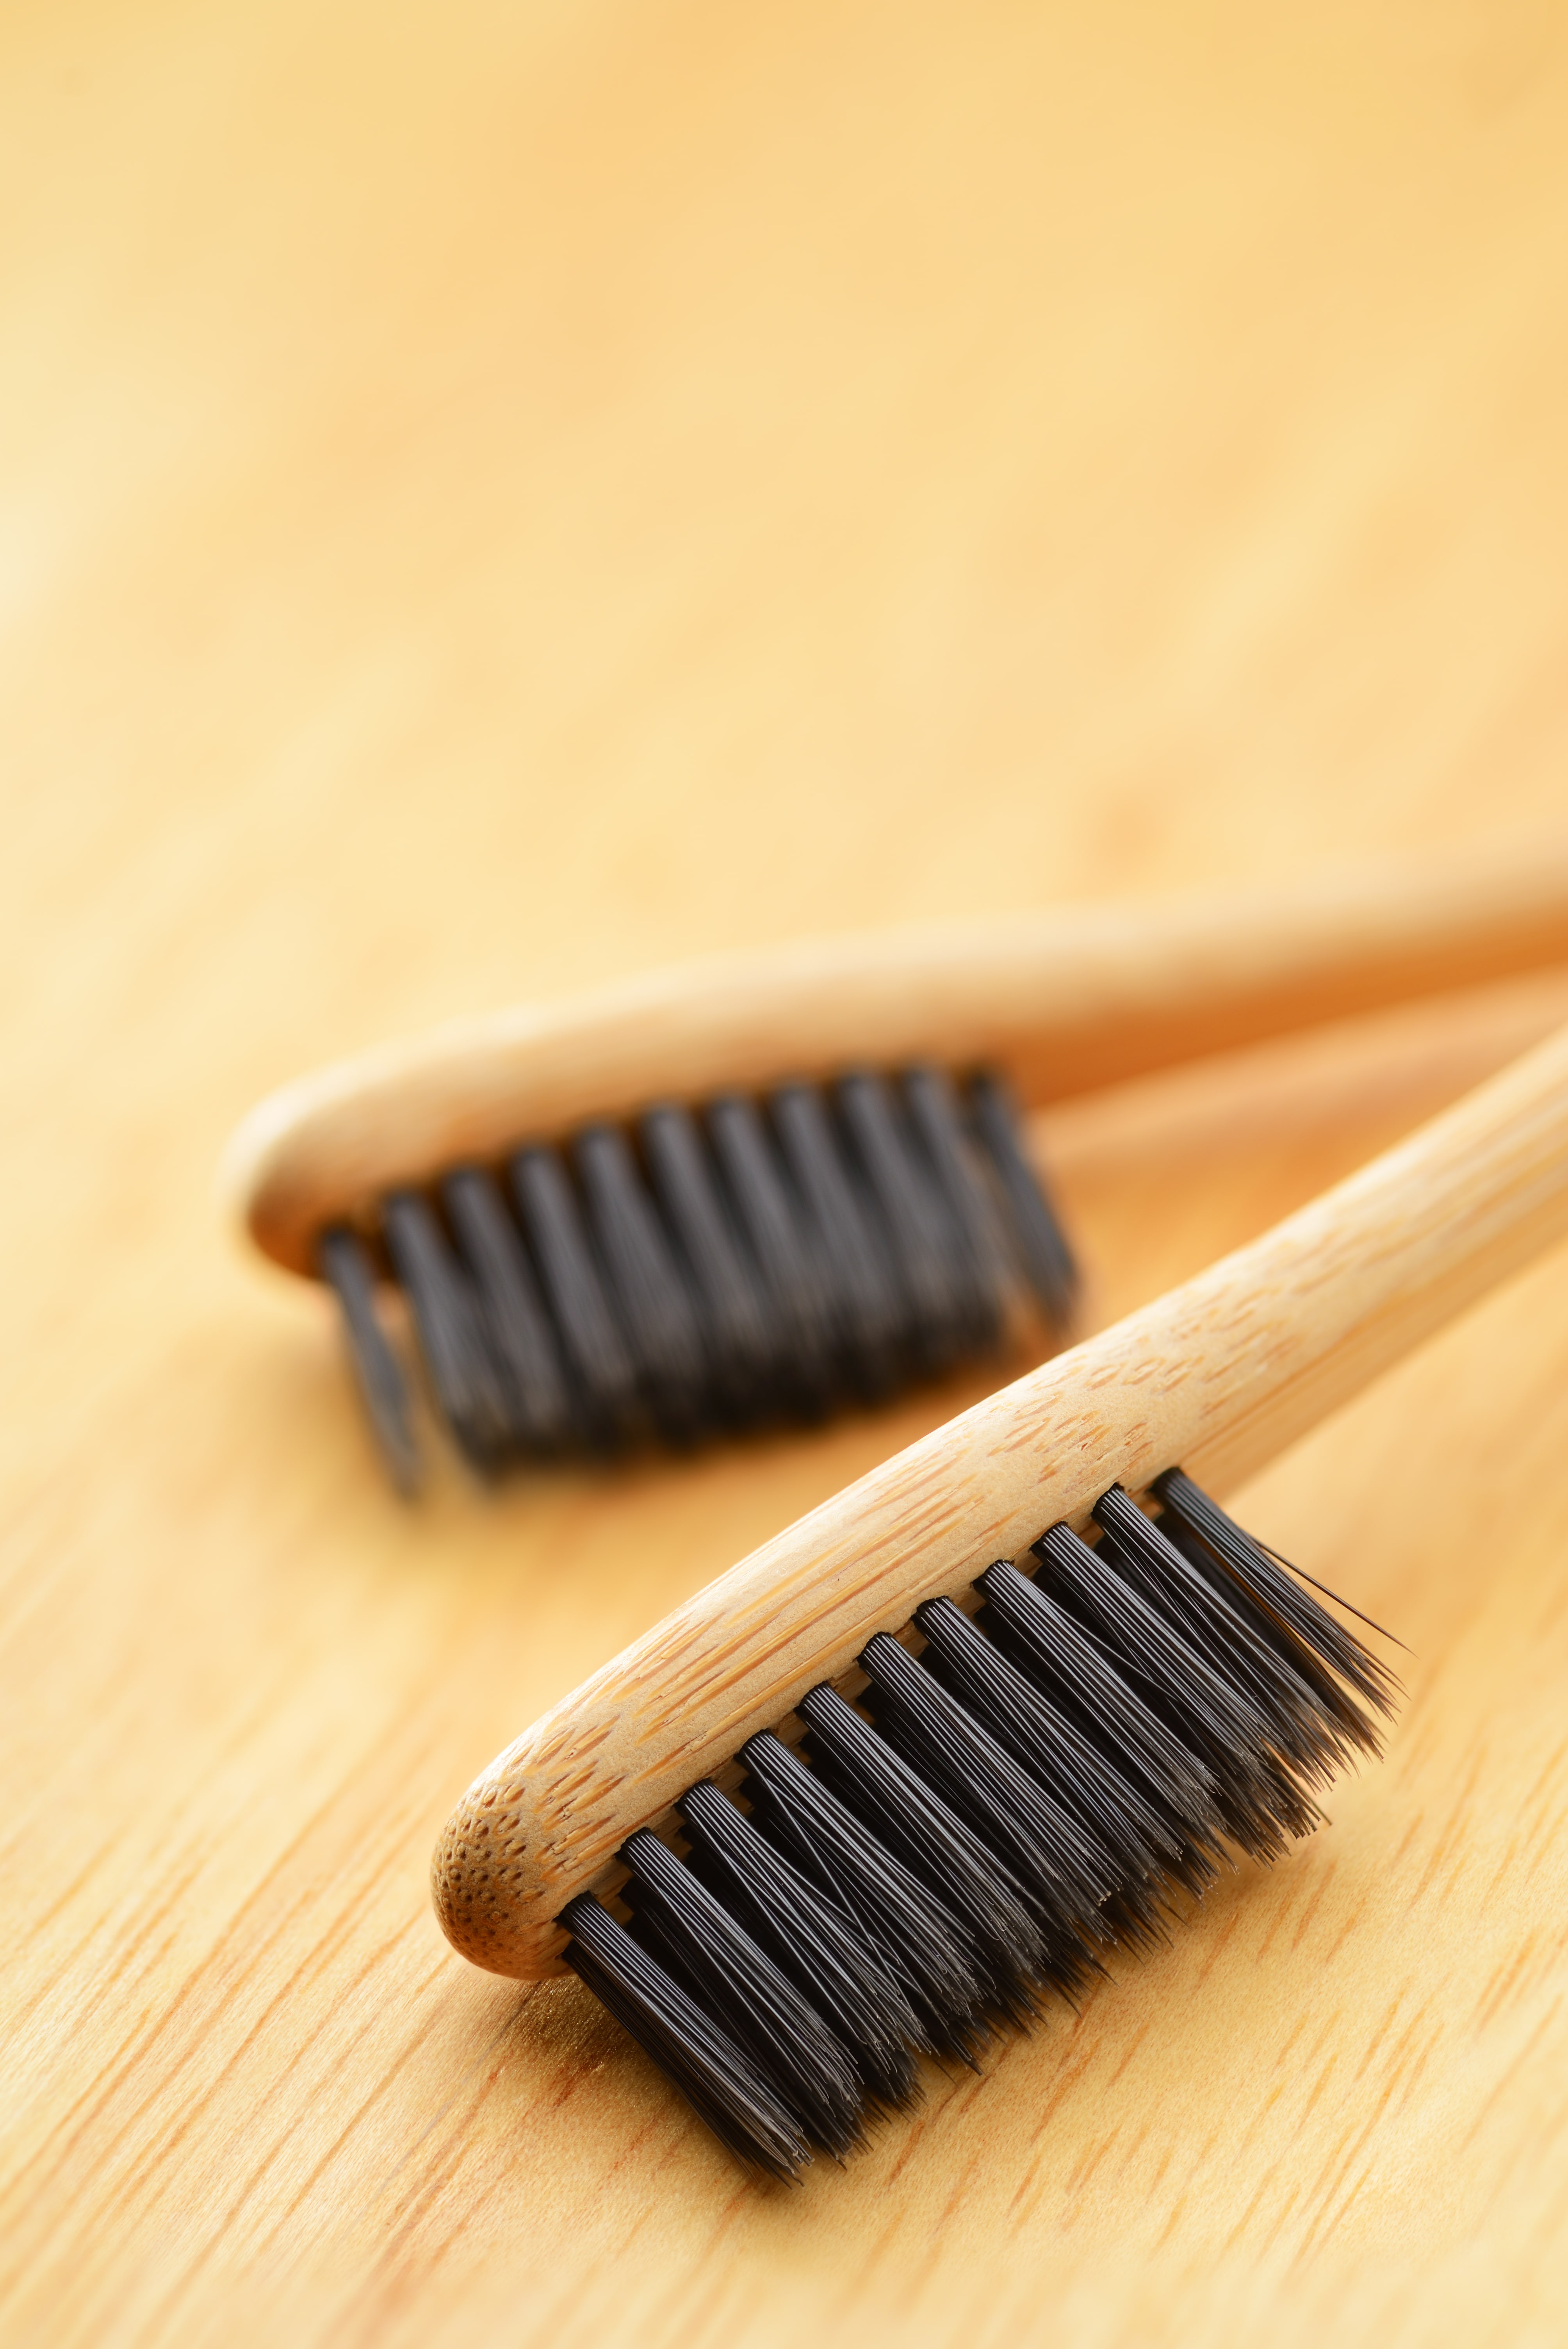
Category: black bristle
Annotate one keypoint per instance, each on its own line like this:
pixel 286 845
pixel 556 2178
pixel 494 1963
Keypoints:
pixel 590 1334
pixel 656 1310
pixel 1065 1873
pixel 524 1344
pixel 740 1338
pixel 701 1273
pixel 1139 1838
pixel 453 1337
pixel 1033 1225
pixel 1309 1729
pixel 735 2100
pixel 893 1801
pixel 867 1309
pixel 768 1214
pixel 1052 1648
pixel 1264 1576
pixel 346 1265
pixel 1031 1790
pixel 938 1118
pixel 1261 1806
pixel 811 2071
pixel 919 1232
pixel 923 1947
pixel 808 1940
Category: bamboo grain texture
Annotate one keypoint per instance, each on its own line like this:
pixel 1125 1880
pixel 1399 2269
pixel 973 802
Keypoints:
pixel 486 510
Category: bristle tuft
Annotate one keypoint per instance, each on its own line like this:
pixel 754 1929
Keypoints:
pixel 1014 1796
pixel 706 1272
pixel 346 1265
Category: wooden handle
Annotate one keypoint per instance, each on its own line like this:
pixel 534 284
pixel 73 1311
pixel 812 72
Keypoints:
pixel 1065 1001
pixel 1218 1375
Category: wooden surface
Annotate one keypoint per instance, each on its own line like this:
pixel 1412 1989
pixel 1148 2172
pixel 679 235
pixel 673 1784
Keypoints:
pixel 494 498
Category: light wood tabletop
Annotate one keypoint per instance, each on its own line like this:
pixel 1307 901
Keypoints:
pixel 494 499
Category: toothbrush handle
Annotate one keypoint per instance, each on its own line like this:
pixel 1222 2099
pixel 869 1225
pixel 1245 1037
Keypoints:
pixel 1063 1001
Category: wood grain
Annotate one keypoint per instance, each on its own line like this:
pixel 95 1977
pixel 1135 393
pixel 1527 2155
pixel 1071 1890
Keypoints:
pixel 496 502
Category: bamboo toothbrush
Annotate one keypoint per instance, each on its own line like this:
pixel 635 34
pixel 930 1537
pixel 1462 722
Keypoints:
pixel 825 1816
pixel 839 1214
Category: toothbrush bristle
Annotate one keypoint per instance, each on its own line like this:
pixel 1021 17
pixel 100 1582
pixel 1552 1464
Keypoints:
pixel 1011 1798
pixel 350 1271
pixel 704 1271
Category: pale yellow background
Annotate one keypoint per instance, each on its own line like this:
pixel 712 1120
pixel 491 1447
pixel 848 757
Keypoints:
pixel 493 495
